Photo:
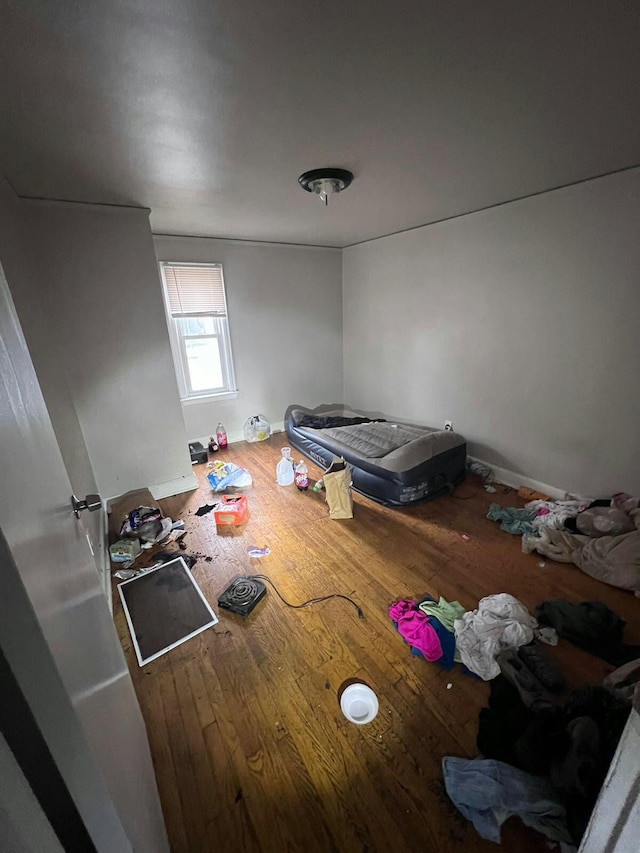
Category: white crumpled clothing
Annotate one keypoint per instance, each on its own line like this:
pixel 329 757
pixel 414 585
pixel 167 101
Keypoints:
pixel 559 512
pixel 500 621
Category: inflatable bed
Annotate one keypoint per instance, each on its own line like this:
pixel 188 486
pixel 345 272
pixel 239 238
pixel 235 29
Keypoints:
pixel 393 463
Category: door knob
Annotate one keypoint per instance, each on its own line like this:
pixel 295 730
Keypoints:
pixel 91 502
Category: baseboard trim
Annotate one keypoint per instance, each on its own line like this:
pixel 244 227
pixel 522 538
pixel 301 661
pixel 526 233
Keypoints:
pixel 174 487
pixel 514 480
pixel 233 436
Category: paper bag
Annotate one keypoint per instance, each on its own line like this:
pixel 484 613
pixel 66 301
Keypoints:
pixel 337 484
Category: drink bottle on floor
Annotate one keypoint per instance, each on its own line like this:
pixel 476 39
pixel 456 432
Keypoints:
pixel 284 468
pixel 301 476
pixel 221 436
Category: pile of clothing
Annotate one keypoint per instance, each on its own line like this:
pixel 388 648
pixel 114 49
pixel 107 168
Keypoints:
pixel 601 537
pixel 445 633
pixel 543 758
pixel 427 626
pixel 535 515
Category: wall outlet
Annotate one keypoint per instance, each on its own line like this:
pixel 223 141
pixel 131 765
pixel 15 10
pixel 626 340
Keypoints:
pixel 448 425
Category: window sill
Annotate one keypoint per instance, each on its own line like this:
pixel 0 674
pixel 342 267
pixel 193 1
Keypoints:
pixel 210 398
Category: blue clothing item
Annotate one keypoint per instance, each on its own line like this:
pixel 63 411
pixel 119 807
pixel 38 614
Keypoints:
pixel 489 792
pixel 448 643
pixel 514 520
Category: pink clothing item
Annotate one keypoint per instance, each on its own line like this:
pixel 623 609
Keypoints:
pixel 414 626
pixel 400 608
pixel 416 630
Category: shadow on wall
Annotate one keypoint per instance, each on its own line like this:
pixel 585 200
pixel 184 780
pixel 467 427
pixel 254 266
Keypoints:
pixel 493 457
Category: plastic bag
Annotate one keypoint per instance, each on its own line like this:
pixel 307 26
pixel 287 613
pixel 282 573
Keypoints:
pixel 337 483
pixel 256 428
pixel 224 475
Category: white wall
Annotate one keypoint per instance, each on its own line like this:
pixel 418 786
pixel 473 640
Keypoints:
pixel 520 323
pixel 285 318
pixel 35 305
pixel 110 334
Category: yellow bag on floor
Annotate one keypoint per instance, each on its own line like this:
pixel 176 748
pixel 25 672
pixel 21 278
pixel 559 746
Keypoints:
pixel 337 483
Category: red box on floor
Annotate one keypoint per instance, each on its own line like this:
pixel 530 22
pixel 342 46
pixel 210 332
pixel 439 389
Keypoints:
pixel 232 510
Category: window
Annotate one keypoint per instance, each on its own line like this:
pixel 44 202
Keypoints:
pixel 199 329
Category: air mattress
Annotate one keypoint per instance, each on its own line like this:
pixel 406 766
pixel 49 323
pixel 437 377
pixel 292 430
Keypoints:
pixel 393 463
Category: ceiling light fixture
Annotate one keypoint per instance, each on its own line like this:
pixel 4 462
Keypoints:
pixel 324 182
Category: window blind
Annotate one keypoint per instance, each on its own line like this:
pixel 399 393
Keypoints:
pixel 194 289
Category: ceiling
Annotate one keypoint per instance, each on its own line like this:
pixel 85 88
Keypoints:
pixel 207 112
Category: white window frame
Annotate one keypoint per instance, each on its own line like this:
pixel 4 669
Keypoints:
pixel 228 389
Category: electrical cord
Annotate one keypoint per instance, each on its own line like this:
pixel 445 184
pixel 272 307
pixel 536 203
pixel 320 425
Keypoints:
pixel 311 600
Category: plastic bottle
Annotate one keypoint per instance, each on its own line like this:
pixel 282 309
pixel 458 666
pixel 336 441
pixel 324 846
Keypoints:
pixel 301 476
pixel 221 436
pixel 284 468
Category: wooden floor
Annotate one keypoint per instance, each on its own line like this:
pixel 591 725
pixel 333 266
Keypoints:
pixel 250 747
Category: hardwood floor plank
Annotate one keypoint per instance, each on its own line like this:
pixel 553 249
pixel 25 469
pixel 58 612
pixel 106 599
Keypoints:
pixel 230 826
pixel 188 794
pixel 149 694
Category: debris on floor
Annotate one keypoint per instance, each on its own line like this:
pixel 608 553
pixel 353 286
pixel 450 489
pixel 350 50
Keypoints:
pixel 205 509
pixel 442 632
pixel 359 704
pixel 243 588
pixel 591 626
pixel 125 550
pixel 488 792
pixel 601 537
pixel 125 574
pixel 530 495
pixel 198 453
pixel 224 475
pixel 499 621
pixel 256 552
pixel 256 428
pixel 545 752
pixel 512 519
pixel 231 511
pixel 146 524
pixel 428 635
pixel 569 741
pixel 242 595
pixel 482 471
pixel 337 483
pixel 164 607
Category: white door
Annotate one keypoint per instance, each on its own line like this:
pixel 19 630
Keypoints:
pixel 98 741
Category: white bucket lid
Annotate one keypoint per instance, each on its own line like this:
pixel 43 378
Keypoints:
pixel 359 704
